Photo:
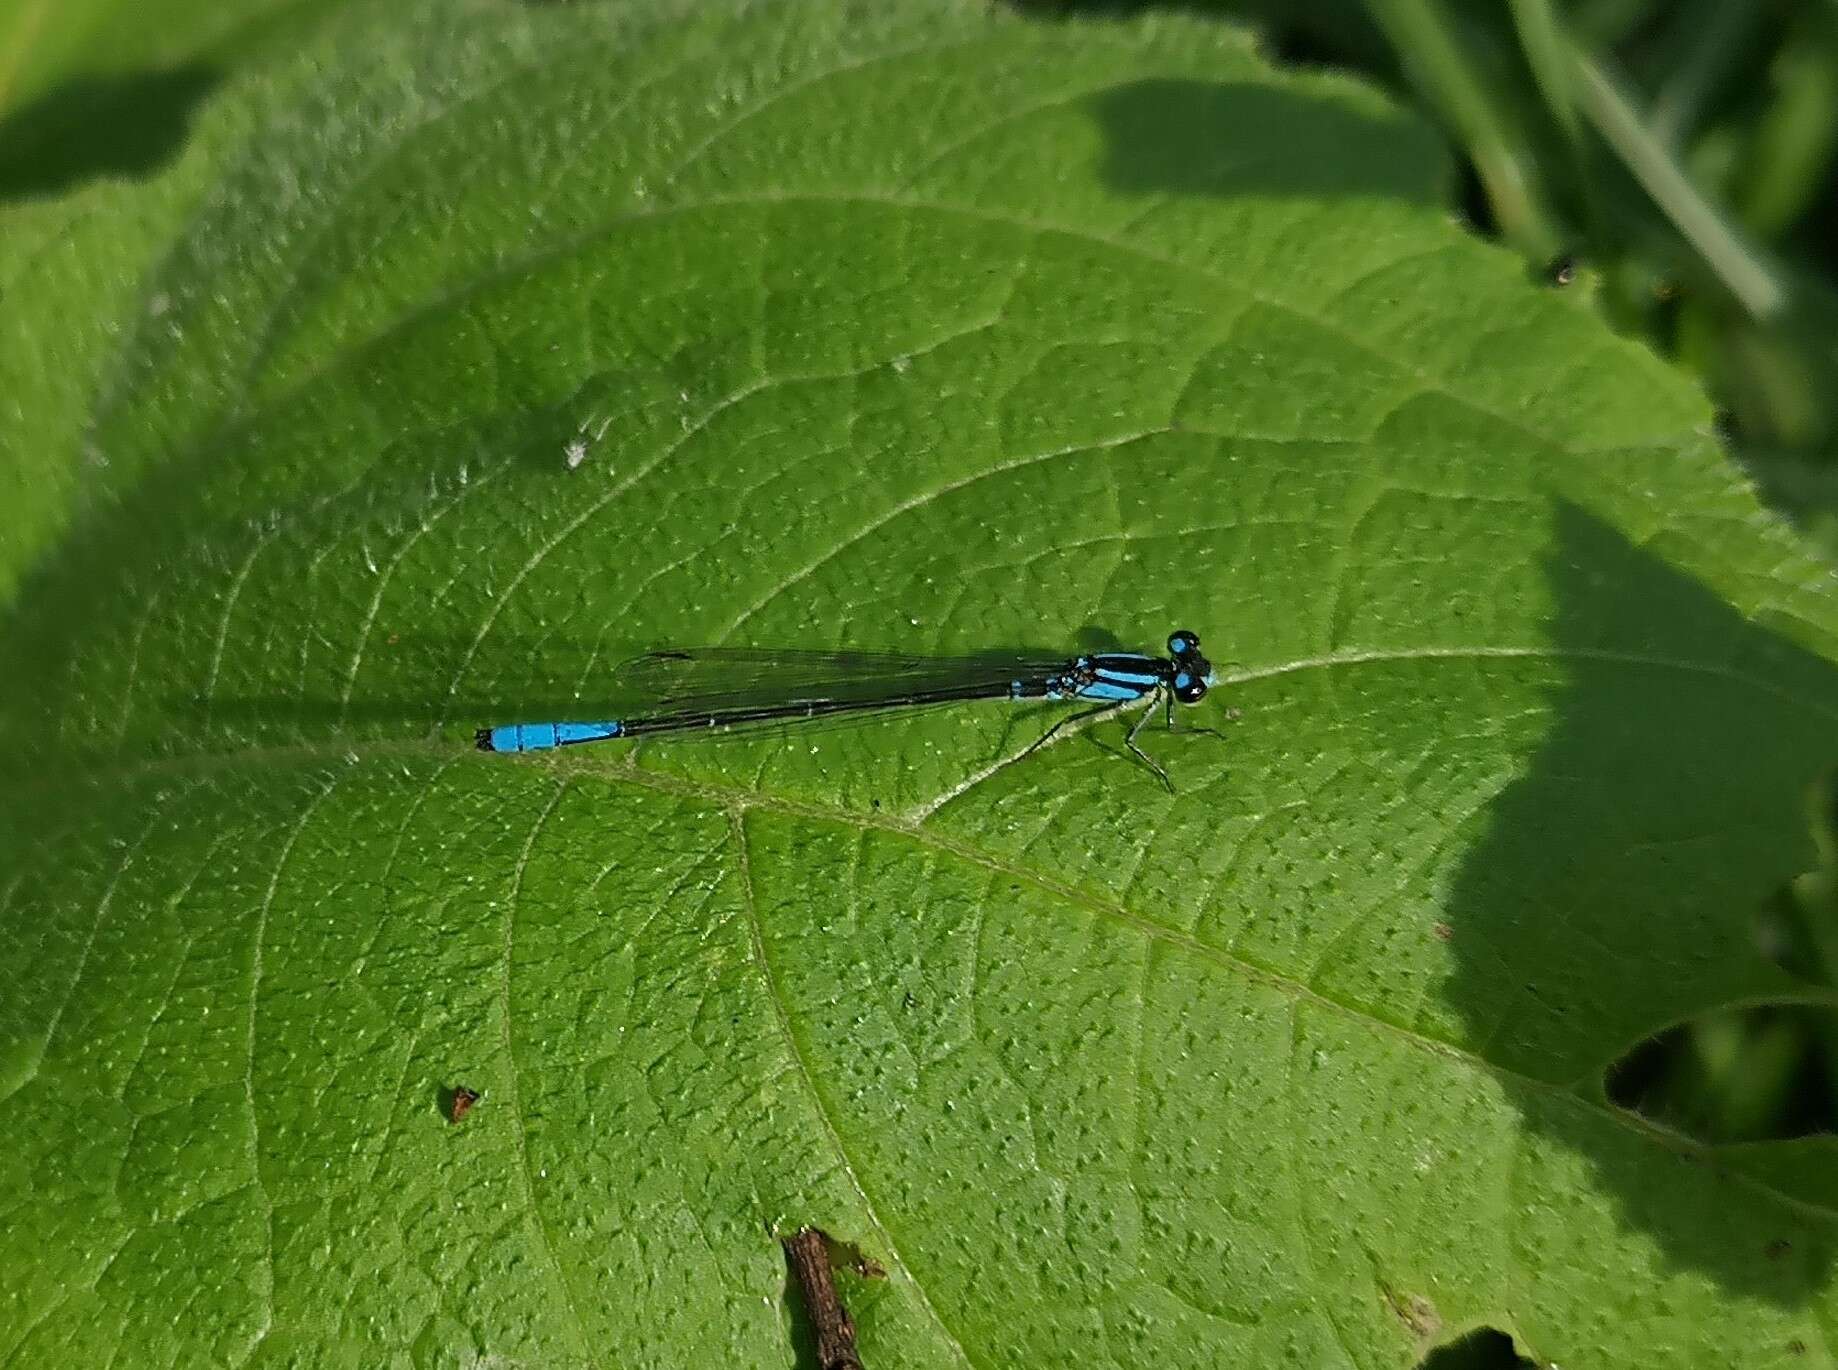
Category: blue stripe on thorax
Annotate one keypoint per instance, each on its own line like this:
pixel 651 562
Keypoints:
pixel 1123 675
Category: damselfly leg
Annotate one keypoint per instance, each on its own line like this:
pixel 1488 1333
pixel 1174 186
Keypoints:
pixel 1129 740
pixel 1104 710
pixel 1078 717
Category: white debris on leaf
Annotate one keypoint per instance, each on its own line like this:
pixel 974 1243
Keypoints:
pixel 575 452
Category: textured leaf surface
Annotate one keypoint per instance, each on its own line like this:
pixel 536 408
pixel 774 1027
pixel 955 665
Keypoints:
pixel 920 330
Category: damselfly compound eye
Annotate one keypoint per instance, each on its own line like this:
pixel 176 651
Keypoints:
pixel 1189 688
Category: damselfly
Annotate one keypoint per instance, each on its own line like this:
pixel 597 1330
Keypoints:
pixel 716 688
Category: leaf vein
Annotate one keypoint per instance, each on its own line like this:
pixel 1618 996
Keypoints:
pixel 538 1226
pixel 769 982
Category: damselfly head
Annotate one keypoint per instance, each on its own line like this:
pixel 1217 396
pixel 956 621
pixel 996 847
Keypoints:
pixel 1192 672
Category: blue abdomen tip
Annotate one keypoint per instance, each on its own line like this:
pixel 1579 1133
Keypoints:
pixel 524 737
pixel 541 737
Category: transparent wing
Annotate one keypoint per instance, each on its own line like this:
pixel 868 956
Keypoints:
pixel 807 729
pixel 716 679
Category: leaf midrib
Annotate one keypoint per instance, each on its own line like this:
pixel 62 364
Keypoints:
pixel 782 1017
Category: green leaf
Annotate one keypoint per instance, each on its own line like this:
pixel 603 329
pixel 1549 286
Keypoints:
pixel 914 327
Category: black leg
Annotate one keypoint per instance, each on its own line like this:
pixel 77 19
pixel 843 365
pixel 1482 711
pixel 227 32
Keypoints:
pixel 1209 732
pixel 1067 721
pixel 1142 756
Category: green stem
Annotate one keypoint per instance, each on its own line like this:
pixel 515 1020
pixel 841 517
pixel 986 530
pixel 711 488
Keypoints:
pixel 1734 262
pixel 1424 37
pixel 1547 53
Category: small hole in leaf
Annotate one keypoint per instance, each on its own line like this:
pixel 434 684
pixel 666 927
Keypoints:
pixel 1485 1348
pixel 1761 1074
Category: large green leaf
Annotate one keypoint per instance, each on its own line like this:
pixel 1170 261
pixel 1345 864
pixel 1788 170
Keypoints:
pixel 917 327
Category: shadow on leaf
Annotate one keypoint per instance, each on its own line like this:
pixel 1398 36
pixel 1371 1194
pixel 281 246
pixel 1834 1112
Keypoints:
pixel 127 124
pixel 1165 137
pixel 1615 891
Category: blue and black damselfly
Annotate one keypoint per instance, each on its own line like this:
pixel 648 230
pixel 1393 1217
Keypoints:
pixel 716 688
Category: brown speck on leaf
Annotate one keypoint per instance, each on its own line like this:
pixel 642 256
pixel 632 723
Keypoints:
pixel 1443 932
pixel 1777 1248
pixel 1796 1347
pixel 394 638
pixel 1415 1312
pixel 463 1100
